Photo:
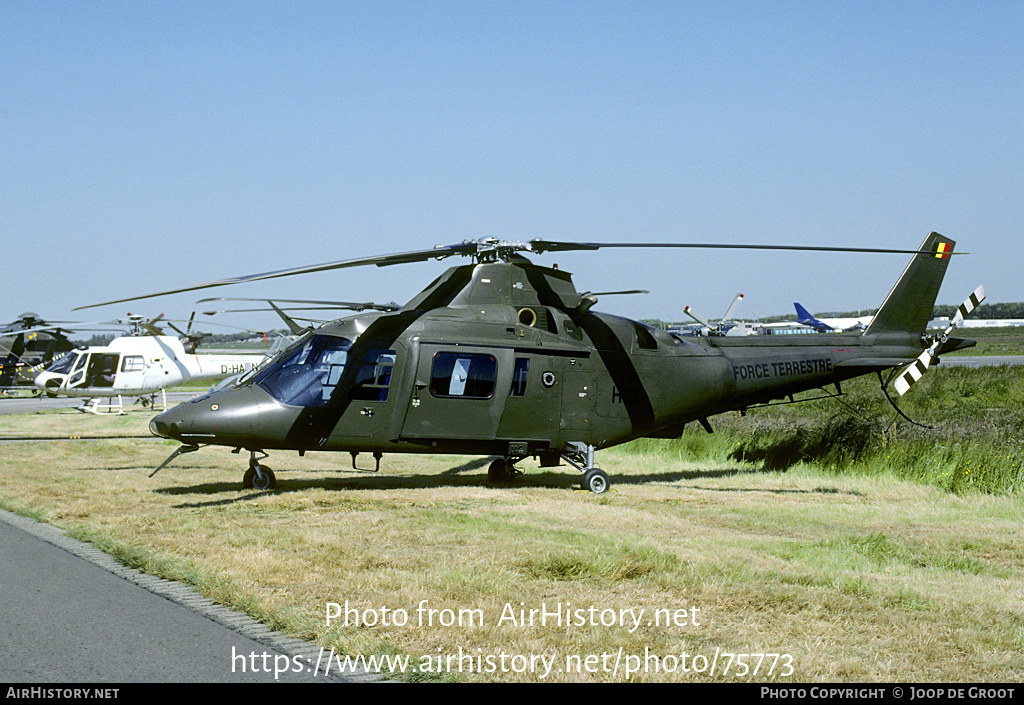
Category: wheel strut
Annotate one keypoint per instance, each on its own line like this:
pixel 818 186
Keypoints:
pixel 581 457
pixel 258 477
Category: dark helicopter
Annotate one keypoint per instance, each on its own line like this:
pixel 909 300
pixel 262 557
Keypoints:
pixel 503 357
pixel 27 345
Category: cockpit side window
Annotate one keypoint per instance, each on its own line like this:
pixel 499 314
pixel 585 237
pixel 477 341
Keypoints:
pixel 307 374
pixel 374 376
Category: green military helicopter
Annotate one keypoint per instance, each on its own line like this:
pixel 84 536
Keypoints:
pixel 503 357
pixel 26 346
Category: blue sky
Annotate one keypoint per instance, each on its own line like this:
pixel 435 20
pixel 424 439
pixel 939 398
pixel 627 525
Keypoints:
pixel 148 146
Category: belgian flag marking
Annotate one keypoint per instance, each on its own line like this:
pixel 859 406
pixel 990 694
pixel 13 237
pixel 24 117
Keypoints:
pixel 942 250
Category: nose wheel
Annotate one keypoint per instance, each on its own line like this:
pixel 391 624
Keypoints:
pixel 502 471
pixel 258 477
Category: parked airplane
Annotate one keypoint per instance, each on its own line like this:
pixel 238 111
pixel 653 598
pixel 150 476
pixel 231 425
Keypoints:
pixel 831 324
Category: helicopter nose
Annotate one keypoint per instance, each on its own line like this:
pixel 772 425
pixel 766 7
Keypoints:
pixel 48 381
pixel 174 423
pixel 222 418
pixel 159 428
pixel 166 425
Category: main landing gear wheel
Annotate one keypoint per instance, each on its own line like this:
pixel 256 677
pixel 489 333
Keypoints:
pixel 262 480
pixel 596 480
pixel 581 456
pixel 502 471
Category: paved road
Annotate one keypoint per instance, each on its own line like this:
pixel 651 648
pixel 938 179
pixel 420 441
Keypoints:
pixel 71 614
pixel 980 360
pixel 29 405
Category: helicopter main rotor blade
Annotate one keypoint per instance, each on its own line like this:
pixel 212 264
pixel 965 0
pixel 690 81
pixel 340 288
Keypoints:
pixel 268 310
pixel 441 252
pixel 357 306
pixel 615 293
pixel 540 246
pixel 489 249
pixel 61 330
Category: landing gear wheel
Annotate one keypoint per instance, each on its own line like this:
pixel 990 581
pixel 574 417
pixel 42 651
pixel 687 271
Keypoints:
pixel 501 471
pixel 252 479
pixel 596 480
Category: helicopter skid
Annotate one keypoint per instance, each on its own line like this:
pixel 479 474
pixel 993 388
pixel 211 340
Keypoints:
pixel 104 406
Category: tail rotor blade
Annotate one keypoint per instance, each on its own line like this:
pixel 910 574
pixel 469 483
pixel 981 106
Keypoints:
pixel 966 308
pixel 915 370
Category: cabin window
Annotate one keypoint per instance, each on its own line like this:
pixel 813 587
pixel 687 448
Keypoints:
pixel 133 363
pixel 102 369
pixel 463 375
pixel 519 375
pixel 644 337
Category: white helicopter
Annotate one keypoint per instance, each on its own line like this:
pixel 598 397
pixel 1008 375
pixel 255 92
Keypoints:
pixel 726 326
pixel 143 363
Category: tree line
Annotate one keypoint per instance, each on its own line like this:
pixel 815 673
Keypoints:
pixel 984 311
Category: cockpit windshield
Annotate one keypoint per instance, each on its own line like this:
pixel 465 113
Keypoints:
pixel 63 364
pixel 306 374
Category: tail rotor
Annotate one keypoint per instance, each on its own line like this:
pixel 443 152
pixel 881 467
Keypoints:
pixel 915 370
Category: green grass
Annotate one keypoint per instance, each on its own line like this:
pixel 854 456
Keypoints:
pixel 869 549
pixel 973 442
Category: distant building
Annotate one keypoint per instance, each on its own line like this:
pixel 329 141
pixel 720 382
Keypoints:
pixel 940 323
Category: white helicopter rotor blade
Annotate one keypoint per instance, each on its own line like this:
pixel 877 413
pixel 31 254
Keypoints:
pixel 697 317
pixel 732 308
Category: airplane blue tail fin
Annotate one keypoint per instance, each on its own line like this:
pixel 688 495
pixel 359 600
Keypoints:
pixel 805 318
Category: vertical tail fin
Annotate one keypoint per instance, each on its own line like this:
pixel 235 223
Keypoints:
pixel 909 305
pixel 804 317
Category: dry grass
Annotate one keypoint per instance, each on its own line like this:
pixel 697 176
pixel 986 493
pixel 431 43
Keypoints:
pixel 859 579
